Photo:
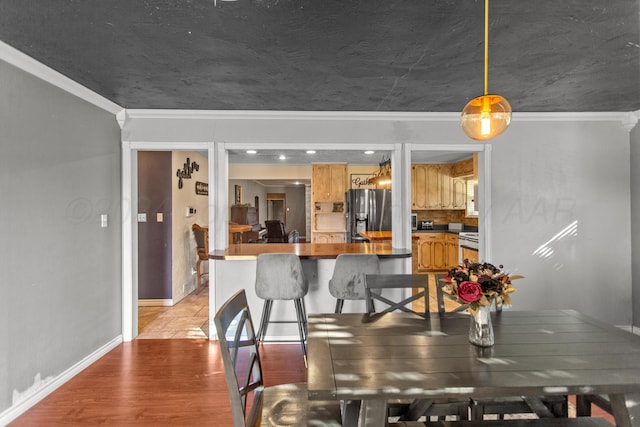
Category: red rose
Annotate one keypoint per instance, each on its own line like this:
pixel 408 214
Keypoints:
pixel 469 292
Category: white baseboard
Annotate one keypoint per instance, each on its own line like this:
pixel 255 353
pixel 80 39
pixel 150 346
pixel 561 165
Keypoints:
pixel 34 396
pixel 155 303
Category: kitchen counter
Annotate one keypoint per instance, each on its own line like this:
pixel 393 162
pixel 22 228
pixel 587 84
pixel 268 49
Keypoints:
pixel 310 250
pixel 234 268
pixel 445 229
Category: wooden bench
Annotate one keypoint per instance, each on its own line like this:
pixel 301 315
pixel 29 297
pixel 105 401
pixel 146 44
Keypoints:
pixel 541 422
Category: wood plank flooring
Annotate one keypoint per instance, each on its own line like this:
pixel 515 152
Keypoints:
pixel 149 382
pixel 162 382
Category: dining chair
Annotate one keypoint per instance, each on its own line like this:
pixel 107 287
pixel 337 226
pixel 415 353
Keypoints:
pixel 348 279
pixel 397 282
pixel 440 296
pixel 545 406
pixel 253 404
pixel 279 277
pixel 201 235
pixel 276 231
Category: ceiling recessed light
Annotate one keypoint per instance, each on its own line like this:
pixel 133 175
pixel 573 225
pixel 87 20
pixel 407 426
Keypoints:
pixel 369 152
pixel 311 151
pixel 251 151
pixel 282 157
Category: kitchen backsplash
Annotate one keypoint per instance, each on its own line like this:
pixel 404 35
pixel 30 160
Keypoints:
pixel 445 217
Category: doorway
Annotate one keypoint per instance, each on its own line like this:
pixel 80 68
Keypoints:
pixel 277 207
pixel 168 205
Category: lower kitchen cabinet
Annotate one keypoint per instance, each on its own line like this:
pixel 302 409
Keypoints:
pixel 451 242
pixel 431 252
pixel 435 252
pixel 470 254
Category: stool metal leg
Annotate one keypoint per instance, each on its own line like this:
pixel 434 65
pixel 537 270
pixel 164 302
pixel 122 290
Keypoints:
pixel 339 304
pixel 264 321
pixel 301 324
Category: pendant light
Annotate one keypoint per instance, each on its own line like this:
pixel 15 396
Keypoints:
pixel 488 115
pixel 383 176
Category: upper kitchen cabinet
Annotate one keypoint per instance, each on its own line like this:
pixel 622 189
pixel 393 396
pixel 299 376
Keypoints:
pixel 328 188
pixel 463 168
pixel 328 182
pixel 434 187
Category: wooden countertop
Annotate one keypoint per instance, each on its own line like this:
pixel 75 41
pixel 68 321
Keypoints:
pixel 309 250
pixel 374 236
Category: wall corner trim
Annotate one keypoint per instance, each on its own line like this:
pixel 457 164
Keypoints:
pixel 36 396
pixel 38 69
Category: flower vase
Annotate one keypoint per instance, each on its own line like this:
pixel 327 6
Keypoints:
pixel 480 328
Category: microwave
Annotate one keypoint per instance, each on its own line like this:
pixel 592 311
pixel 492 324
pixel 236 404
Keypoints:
pixel 414 221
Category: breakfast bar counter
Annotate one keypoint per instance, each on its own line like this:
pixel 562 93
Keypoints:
pixel 234 268
pixel 310 250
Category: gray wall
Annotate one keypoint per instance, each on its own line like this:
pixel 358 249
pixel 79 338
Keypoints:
pixel 635 222
pixel 546 176
pixel 561 216
pixel 60 272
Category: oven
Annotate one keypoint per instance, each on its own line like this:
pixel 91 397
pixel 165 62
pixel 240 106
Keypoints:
pixel 467 244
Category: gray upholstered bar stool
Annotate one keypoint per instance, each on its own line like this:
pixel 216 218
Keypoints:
pixel 279 276
pixel 348 279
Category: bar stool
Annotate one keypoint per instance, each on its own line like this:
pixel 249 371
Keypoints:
pixel 348 279
pixel 279 276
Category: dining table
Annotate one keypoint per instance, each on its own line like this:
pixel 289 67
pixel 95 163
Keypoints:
pixel 371 359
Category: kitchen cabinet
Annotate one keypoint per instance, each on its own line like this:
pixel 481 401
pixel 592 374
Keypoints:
pixel 463 168
pixel 328 182
pixel 470 254
pixel 328 187
pixel 451 244
pixel 434 252
pixel 434 187
pixel 431 252
pixel 324 237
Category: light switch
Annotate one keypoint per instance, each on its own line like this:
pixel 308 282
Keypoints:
pixel 159 217
pixel 104 221
pixel 142 217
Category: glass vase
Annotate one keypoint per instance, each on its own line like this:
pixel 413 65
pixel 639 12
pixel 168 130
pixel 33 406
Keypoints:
pixel 480 328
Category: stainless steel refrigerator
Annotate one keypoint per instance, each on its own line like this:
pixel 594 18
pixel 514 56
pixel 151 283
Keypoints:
pixel 367 210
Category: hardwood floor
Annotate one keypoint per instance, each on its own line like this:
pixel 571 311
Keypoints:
pixel 162 382
pixel 157 382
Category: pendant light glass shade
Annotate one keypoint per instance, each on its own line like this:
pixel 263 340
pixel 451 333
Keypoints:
pixel 485 117
pixel 488 115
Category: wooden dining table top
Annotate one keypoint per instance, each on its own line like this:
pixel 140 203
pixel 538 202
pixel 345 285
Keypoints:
pixel 401 355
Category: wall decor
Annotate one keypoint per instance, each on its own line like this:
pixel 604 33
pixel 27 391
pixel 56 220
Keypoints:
pixel 238 198
pixel 202 188
pixel 186 171
pixel 362 181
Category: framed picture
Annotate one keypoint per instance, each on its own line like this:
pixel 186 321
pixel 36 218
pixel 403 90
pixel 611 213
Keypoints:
pixel 361 181
pixel 238 199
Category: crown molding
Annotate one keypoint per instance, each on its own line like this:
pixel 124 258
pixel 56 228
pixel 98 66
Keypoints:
pixel 632 120
pixel 623 116
pixel 38 69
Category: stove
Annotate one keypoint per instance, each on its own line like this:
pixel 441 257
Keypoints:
pixel 468 240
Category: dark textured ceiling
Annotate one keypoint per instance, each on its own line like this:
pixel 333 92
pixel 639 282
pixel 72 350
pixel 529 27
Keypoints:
pixel 336 55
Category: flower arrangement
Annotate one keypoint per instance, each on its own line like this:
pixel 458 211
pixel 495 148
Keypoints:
pixel 479 284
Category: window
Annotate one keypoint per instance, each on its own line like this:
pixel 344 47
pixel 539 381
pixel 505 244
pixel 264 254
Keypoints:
pixel 472 191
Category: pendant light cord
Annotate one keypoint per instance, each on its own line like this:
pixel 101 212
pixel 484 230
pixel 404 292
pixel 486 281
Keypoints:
pixel 486 47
